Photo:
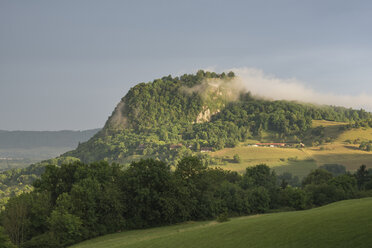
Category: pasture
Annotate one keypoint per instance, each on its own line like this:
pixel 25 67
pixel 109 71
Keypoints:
pixel 341 224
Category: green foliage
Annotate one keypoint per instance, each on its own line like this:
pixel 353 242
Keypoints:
pixel 237 159
pixel 321 194
pixel 189 168
pixel 363 177
pixel 364 121
pixel 294 198
pixel 335 169
pixel 149 187
pixel 316 177
pixel 322 188
pixel 77 201
pixel 366 146
pixel 222 217
pixel 4 240
pixel 259 199
pixel 17 181
pixel 64 227
pixel 259 176
pixel 288 179
pixel 347 183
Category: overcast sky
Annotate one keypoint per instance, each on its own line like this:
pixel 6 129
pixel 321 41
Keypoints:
pixel 66 64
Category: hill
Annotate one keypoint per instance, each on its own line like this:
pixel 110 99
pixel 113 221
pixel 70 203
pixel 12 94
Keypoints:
pixel 341 224
pixel 172 117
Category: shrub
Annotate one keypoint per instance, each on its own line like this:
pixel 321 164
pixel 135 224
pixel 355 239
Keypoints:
pixel 223 217
pixel 237 159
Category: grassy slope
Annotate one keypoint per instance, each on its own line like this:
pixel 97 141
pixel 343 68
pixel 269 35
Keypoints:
pixel 307 159
pixel 343 153
pixel 342 224
pixel 255 155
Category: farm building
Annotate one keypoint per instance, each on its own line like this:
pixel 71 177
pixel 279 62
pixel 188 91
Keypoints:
pixel 271 144
pixel 206 149
pixel 175 146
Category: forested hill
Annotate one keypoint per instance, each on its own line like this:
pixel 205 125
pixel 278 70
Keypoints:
pixel 34 139
pixel 173 117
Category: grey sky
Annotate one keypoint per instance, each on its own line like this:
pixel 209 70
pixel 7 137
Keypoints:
pixel 66 64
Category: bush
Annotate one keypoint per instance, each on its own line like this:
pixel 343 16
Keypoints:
pixel 335 169
pixel 293 198
pixel 223 217
pixel 65 227
pixel 45 240
pixel 322 194
pixel 237 159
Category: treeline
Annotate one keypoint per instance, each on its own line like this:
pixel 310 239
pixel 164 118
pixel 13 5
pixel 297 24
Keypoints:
pixel 79 201
pixel 365 122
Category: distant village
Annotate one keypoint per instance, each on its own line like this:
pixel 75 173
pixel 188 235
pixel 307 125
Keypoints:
pixel 141 147
pixel 293 144
pixel 10 159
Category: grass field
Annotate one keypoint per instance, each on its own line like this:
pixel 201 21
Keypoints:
pixel 339 151
pixel 293 160
pixel 300 162
pixel 272 156
pixel 342 224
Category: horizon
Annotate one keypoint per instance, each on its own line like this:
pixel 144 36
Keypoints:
pixel 66 65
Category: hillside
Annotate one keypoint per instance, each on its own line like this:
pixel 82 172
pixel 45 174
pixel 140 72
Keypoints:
pixel 342 224
pixel 341 148
pixel 170 118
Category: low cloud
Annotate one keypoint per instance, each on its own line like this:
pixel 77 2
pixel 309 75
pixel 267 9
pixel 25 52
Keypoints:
pixel 263 85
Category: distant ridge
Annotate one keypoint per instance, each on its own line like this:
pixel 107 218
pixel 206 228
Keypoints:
pixel 34 139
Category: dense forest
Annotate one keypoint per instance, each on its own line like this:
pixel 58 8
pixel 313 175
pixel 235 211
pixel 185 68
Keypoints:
pixel 173 117
pixel 77 201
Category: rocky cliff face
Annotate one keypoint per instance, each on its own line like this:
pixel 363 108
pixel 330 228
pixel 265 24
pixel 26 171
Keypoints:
pixel 118 120
pixel 171 100
pixel 205 115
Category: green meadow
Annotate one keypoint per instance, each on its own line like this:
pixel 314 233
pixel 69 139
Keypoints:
pixel 300 161
pixel 341 224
